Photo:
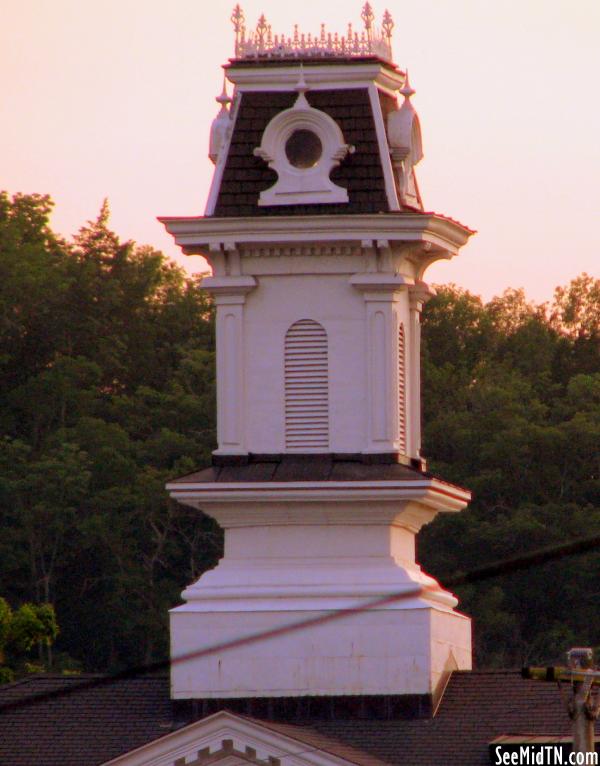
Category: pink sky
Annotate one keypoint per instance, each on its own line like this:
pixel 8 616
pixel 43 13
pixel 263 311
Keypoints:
pixel 115 98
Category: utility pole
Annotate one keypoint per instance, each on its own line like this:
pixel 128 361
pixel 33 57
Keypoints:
pixel 583 706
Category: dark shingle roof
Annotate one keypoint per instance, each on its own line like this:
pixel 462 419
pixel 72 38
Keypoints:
pixel 476 708
pixel 89 728
pixel 296 468
pixel 245 175
pixel 306 468
pixel 83 728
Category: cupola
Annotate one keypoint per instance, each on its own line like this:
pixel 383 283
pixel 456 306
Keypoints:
pixel 314 215
pixel 318 243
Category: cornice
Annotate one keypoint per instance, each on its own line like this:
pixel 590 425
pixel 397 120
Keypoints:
pixel 358 74
pixel 199 235
pixel 429 492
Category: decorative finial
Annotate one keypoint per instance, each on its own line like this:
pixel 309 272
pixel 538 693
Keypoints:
pixel 387 26
pixel 406 90
pixel 261 30
pixel 224 98
pixel 261 42
pixel 367 16
pixel 301 88
pixel 237 19
pixel 220 125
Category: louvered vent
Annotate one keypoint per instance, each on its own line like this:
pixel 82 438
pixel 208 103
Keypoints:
pixel 306 387
pixel 401 390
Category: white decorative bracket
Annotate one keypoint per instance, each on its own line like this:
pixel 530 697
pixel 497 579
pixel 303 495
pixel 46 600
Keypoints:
pixel 221 126
pixel 303 145
pixel 406 147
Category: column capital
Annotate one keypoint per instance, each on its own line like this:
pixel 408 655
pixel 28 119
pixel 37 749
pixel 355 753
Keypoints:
pixel 418 294
pixel 229 290
pixel 380 286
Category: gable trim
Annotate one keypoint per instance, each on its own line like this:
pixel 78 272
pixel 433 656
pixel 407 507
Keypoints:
pixel 384 150
pixel 234 737
pixel 215 186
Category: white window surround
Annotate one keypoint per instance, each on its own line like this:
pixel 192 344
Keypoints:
pixel 303 185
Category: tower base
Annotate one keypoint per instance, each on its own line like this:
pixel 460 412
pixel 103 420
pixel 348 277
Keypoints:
pixel 386 651
pixel 327 572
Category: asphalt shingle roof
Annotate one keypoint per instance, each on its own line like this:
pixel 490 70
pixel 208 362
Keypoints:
pixel 245 175
pixel 82 728
pixel 90 727
pixel 277 468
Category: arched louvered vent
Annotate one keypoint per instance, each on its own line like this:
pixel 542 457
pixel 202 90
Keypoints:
pixel 306 387
pixel 401 389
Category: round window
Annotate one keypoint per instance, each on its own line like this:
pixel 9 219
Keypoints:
pixel 303 149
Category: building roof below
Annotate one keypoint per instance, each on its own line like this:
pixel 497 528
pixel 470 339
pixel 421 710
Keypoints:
pixel 100 722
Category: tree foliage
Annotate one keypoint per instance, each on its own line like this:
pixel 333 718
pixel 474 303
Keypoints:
pixel 21 630
pixel 107 379
pixel 107 374
pixel 511 394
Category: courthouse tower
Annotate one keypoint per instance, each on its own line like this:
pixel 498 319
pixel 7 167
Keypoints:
pixel 319 242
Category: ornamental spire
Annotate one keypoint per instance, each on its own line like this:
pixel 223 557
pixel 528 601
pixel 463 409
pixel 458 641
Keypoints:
pixel 238 21
pixel 367 16
pixel 220 125
pixel 262 43
pixel 407 90
pixel 224 99
pixel 387 26
pixel 301 88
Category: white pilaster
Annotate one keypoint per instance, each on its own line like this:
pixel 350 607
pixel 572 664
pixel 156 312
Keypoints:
pixel 382 295
pixel 419 294
pixel 229 294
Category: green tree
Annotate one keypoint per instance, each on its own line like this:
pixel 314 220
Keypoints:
pixel 512 408
pixel 107 373
pixel 22 630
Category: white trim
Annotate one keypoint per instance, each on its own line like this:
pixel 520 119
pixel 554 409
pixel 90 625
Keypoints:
pixel 429 492
pixel 401 389
pixel 311 185
pixel 236 285
pixel 384 150
pixel 198 235
pixel 320 596
pixel 215 186
pixel 210 733
pixel 323 77
pixel 410 512
pixel 380 282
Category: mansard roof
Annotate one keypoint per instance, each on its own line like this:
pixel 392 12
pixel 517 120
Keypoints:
pixel 95 725
pixel 245 176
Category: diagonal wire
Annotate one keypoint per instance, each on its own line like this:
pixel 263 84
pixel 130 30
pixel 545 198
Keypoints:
pixel 480 574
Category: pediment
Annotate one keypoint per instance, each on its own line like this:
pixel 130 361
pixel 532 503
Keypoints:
pixel 226 739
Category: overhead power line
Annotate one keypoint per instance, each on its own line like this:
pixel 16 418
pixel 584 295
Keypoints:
pixel 480 574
